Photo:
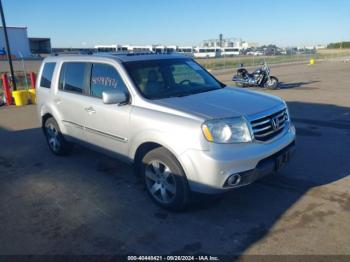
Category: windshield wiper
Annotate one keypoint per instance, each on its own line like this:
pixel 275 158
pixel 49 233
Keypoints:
pixel 192 92
pixel 201 90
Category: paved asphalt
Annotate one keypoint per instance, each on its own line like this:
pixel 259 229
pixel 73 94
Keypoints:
pixel 88 203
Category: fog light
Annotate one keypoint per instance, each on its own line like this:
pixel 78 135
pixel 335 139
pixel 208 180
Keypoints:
pixel 234 180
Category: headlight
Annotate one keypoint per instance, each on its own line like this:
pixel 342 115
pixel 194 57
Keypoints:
pixel 230 130
pixel 288 115
pixel 287 110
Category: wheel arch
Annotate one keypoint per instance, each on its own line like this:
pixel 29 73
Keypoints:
pixel 44 118
pixel 143 149
pixel 47 111
pixel 146 147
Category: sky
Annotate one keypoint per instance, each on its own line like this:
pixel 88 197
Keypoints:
pixel 78 23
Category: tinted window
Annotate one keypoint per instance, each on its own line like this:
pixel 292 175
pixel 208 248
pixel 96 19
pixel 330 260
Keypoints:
pixel 157 79
pixel 148 79
pixel 72 77
pixel 46 75
pixel 105 77
pixel 183 73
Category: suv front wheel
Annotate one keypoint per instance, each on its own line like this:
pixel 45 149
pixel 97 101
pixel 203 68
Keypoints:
pixel 165 179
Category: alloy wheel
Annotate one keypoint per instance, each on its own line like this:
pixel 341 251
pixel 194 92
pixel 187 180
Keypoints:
pixel 53 137
pixel 271 82
pixel 160 181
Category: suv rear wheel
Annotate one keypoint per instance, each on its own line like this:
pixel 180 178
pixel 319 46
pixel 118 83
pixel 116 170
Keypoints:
pixel 57 144
pixel 164 178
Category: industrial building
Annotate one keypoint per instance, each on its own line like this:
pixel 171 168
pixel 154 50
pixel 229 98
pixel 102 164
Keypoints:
pixel 236 43
pixel 39 45
pixel 18 40
pixel 21 45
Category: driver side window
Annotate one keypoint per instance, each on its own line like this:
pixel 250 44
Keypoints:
pixel 183 72
pixel 105 77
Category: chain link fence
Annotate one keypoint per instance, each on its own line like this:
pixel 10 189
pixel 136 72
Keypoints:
pixel 251 60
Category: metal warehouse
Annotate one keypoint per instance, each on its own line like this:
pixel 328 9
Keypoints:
pixel 18 39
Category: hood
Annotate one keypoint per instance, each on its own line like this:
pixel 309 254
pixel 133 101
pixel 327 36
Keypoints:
pixel 222 103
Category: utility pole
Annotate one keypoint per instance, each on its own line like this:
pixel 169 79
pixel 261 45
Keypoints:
pixel 8 51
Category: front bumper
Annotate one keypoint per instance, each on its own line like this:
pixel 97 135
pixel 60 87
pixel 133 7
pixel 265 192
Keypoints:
pixel 265 167
pixel 208 171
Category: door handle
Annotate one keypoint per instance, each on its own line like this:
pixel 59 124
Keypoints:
pixel 90 110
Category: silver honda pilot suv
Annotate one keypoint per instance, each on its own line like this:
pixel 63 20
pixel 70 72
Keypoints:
pixel 183 129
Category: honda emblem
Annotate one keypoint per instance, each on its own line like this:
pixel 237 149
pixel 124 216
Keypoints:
pixel 275 123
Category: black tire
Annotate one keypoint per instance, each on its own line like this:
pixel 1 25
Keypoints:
pixel 54 138
pixel 170 181
pixel 272 84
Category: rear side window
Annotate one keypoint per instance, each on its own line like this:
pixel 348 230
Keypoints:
pixel 105 77
pixel 72 77
pixel 46 76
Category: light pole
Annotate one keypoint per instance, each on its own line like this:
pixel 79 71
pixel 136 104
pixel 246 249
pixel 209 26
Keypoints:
pixel 8 51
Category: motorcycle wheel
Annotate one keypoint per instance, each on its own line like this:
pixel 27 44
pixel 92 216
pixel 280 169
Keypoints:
pixel 272 83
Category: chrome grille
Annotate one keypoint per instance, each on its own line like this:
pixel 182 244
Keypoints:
pixel 266 128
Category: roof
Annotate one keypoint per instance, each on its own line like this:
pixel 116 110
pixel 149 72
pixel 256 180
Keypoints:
pixel 39 38
pixel 14 27
pixel 119 57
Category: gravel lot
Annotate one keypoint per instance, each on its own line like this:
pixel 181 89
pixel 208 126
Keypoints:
pixel 91 204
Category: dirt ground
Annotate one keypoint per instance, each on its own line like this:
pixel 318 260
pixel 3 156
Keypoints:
pixel 88 203
pixel 29 66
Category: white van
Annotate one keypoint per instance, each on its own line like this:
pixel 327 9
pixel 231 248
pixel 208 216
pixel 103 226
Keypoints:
pixel 206 52
pixel 229 51
pixel 185 50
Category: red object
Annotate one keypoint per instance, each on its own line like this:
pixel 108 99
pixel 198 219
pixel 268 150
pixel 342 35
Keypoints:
pixel 32 79
pixel 7 89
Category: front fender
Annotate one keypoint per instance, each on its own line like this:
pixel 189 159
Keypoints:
pixel 154 136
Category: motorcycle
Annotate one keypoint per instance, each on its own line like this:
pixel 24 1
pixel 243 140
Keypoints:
pixel 259 78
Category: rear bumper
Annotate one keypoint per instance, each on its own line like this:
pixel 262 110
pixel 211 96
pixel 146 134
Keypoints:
pixel 209 171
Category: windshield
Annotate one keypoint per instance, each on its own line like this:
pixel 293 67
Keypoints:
pixel 157 79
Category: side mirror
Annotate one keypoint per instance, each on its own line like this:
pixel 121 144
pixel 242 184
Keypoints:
pixel 114 96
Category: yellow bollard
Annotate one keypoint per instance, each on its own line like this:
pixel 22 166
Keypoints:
pixel 32 95
pixel 312 61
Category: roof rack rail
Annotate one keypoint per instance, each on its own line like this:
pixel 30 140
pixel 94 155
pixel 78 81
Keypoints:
pixel 140 53
pixel 149 53
pixel 109 53
pixel 72 53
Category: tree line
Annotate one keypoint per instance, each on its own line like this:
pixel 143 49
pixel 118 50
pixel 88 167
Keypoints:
pixel 339 45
